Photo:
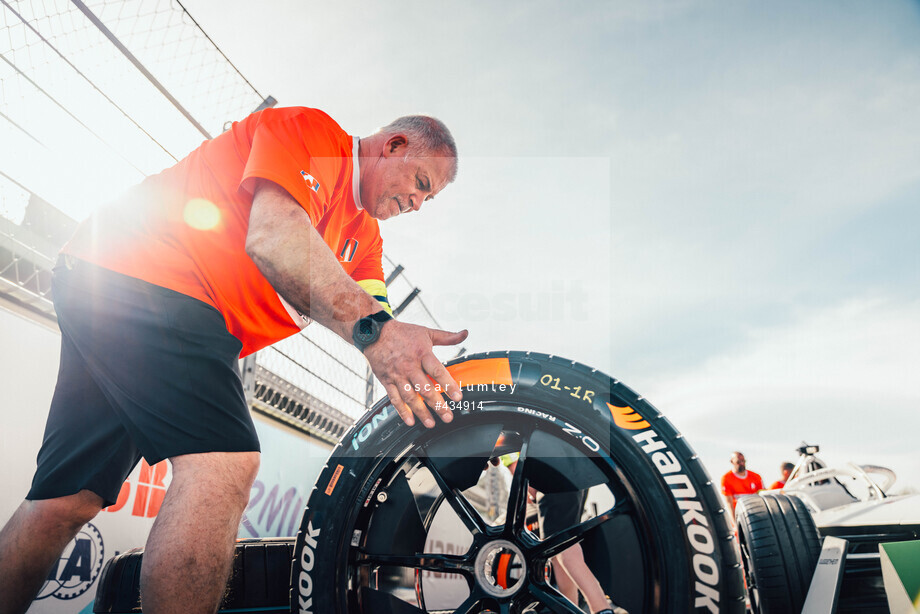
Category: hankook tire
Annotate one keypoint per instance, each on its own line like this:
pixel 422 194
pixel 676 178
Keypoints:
pixel 656 535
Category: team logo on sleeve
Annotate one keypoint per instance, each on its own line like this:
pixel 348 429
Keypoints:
pixel 348 250
pixel 312 183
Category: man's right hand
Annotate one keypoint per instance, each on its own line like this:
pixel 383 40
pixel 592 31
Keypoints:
pixel 403 361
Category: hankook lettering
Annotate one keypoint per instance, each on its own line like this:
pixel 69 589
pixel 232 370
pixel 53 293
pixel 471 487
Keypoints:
pixel 699 534
pixel 305 581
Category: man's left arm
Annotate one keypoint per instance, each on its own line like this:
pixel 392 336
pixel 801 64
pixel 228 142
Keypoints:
pixel 369 274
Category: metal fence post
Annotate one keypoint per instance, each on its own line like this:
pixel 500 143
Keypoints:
pixel 248 373
pixel 369 389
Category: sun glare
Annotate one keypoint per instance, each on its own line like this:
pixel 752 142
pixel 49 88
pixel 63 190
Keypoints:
pixel 201 214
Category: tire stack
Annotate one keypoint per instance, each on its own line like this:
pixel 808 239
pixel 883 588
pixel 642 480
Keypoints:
pixel 259 581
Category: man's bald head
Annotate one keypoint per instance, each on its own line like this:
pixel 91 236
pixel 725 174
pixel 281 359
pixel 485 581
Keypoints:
pixel 427 136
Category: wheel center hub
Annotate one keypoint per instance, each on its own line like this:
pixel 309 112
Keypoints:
pixel 500 568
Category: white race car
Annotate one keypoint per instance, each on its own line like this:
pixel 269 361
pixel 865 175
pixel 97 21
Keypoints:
pixel 780 533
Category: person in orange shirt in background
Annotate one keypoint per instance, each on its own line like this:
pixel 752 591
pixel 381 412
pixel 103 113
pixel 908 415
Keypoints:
pixel 158 295
pixel 739 481
pixel 785 470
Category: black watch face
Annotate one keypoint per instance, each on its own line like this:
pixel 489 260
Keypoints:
pixel 366 331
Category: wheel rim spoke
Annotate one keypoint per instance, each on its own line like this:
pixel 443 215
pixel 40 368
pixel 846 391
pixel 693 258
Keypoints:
pixel 551 597
pixel 464 510
pixel 444 563
pixel 471 602
pixel 516 514
pixel 748 566
pixel 566 539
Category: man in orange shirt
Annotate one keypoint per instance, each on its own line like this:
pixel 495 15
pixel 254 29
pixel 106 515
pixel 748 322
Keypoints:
pixel 158 296
pixel 739 481
pixel 785 470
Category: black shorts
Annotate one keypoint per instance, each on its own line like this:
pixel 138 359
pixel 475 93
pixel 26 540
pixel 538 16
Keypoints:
pixel 560 510
pixel 145 371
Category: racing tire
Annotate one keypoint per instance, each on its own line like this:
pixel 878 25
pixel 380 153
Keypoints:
pixel 258 581
pixel 660 543
pixel 780 546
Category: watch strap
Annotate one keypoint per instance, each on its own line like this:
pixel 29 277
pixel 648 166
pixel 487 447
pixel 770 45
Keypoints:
pixel 381 316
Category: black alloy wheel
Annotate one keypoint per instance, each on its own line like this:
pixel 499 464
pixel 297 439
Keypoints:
pixel 406 520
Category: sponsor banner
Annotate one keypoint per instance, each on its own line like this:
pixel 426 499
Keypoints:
pixel 291 462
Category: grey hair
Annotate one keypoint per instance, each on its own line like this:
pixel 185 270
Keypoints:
pixel 428 136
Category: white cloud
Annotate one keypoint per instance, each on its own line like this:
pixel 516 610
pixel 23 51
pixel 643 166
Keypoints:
pixel 844 377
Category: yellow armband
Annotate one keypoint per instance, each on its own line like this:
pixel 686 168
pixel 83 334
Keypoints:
pixel 378 290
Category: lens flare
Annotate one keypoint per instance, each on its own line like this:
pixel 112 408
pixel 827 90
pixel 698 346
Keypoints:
pixel 201 214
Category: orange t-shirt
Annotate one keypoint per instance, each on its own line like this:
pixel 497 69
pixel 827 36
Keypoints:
pixel 735 487
pixel 185 228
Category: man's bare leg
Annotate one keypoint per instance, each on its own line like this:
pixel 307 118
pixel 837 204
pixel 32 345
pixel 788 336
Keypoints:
pixel 33 540
pixel 189 552
pixel 573 560
pixel 564 582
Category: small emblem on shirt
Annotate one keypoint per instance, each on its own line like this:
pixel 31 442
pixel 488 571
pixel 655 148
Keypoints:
pixel 312 183
pixel 348 250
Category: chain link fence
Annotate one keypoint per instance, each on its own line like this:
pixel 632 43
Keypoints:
pixel 96 95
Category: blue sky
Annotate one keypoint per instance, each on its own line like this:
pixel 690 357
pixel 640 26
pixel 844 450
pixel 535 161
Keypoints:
pixel 717 203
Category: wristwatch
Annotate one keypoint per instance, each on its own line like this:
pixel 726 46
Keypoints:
pixel 367 329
